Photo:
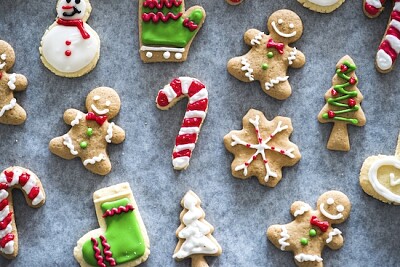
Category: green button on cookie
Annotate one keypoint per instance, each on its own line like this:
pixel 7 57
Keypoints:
pixel 312 233
pixel 83 144
pixel 304 241
pixel 264 66
pixel 89 132
pixel 270 55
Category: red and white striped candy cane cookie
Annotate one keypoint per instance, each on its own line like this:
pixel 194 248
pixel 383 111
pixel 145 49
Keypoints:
pixel 29 183
pixel 373 8
pixel 196 112
pixel 389 48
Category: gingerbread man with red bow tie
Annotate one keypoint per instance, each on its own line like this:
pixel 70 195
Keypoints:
pixel 270 55
pixel 91 132
pixel 312 230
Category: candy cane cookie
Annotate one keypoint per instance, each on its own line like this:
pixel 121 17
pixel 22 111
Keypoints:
pixel 30 185
pixel 196 112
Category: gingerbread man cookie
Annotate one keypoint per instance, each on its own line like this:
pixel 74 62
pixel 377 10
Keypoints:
pixel 262 148
pixel 91 132
pixel 270 55
pixel 10 111
pixel 30 185
pixel 122 238
pixel 379 177
pixel 312 230
pixel 70 47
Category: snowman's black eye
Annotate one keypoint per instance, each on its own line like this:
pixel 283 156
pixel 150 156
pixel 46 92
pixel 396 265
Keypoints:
pixel 68 1
pixel 77 1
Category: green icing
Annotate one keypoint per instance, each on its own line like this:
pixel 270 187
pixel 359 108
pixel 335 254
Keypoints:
pixel 123 234
pixel 342 95
pixel 270 54
pixel 169 33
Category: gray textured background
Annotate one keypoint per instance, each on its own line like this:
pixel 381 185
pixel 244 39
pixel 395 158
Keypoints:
pixel 240 210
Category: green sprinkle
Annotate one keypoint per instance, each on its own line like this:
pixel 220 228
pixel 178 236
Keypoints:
pixel 304 241
pixel 264 66
pixel 83 144
pixel 270 55
pixel 313 232
pixel 89 132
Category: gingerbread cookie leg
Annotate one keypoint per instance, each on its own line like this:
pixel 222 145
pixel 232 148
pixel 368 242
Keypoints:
pixel 99 164
pixel 278 87
pixel 14 116
pixel 122 238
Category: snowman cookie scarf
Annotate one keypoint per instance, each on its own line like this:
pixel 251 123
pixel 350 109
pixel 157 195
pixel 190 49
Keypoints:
pixel 70 47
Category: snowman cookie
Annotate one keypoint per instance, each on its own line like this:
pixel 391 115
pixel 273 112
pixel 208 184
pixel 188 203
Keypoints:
pixel 91 132
pixel 322 6
pixel 10 111
pixel 270 55
pixel 312 230
pixel 70 47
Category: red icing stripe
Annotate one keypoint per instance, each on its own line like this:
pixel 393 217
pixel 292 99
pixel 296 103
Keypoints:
pixel 177 86
pixel 395 15
pixel 7 238
pixel 120 209
pixel 24 178
pixel 97 253
pixel 183 153
pixel 9 175
pixel 156 17
pixel 393 31
pixel 3 204
pixel 198 105
pixel 3 186
pixel 162 99
pixel 192 122
pixel 385 46
pixel 371 9
pixel 185 139
pixel 190 24
pixel 5 221
pixel 34 192
pixel 107 252
pixel 161 3
pixel 195 87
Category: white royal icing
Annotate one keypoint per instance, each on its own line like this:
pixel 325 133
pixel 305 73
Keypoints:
pixel 307 257
pixel 77 119
pixel 374 3
pixel 109 132
pixel 373 178
pixel 332 234
pixel 68 143
pixel 324 2
pixel 292 56
pixel 195 231
pixel 394 42
pixel 257 39
pixel 393 180
pixel 302 210
pixel 7 107
pixel 3 56
pixel 282 34
pixel 99 111
pixel 284 236
pixel 383 60
pixel 247 69
pixel 95 159
pixel 273 82
pixel 329 215
pixel 11 82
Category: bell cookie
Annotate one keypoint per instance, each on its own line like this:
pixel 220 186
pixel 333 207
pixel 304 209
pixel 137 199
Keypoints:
pixel 262 148
pixel 312 230
pixel 322 6
pixel 70 47
pixel 91 132
pixel 342 106
pixel 10 111
pixel 270 55
pixel 166 30
pixel 121 239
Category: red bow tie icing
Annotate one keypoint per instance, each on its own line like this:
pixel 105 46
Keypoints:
pixel 322 225
pixel 93 117
pixel 77 23
pixel 277 46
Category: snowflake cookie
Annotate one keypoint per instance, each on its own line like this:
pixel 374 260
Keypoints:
pixel 270 55
pixel 91 132
pixel 70 47
pixel 166 30
pixel 262 148
pixel 10 111
pixel 343 105
pixel 122 237
pixel 389 49
pixel 30 185
pixel 380 177
pixel 312 230
pixel 322 6
pixel 195 233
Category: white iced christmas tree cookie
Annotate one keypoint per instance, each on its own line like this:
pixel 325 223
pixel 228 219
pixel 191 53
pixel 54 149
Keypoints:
pixel 70 47
pixel 194 233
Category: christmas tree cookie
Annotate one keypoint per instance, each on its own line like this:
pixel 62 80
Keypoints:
pixel 270 55
pixel 380 177
pixel 195 233
pixel 343 105
pixel 312 230
pixel 30 185
pixel 166 30
pixel 262 148
pixel 121 239
pixel 70 47
pixel 10 111
pixel 91 132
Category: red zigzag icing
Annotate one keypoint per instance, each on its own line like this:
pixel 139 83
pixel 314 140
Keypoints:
pixel 97 254
pixel 114 211
pixel 156 17
pixel 107 252
pixel 190 24
pixel 161 4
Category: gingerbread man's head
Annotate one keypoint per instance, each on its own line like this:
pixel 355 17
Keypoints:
pixel 7 56
pixel 73 9
pixel 285 26
pixel 103 101
pixel 334 206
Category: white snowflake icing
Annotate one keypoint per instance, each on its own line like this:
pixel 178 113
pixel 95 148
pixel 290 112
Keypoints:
pixel 261 147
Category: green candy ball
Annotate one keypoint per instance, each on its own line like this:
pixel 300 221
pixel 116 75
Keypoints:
pixel 89 132
pixel 264 66
pixel 304 241
pixel 83 144
pixel 313 232
pixel 270 55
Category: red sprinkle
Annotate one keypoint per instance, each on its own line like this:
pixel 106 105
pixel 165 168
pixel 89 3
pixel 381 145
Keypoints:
pixel 331 114
pixel 9 175
pixel 352 80
pixel 272 148
pixel 343 68
pixel 68 53
pixel 351 102
pixel 282 151
pixel 68 42
pixel 334 92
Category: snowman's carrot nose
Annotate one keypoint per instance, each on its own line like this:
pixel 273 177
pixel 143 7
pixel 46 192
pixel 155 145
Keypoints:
pixel 67 7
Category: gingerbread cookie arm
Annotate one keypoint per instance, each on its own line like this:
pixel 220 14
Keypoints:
pixel 296 58
pixel 17 82
pixel 115 134
pixel 253 37
pixel 299 208
pixel 334 239
pixel 73 116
